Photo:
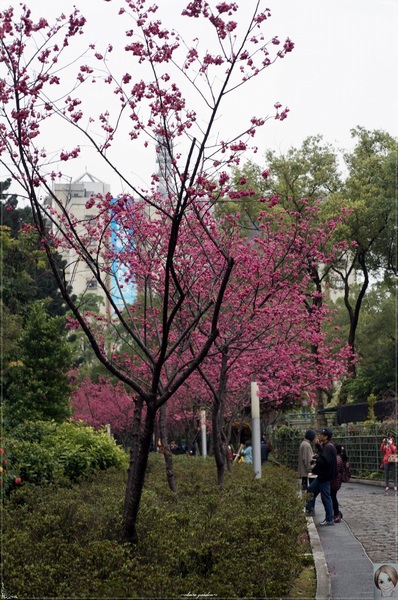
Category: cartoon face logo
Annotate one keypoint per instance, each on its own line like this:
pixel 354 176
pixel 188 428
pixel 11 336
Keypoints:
pixel 385 580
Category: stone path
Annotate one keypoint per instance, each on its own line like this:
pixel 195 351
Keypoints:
pixel 368 535
pixel 373 519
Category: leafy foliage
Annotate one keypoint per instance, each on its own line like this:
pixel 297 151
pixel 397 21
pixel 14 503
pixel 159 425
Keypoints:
pixel 236 543
pixel 44 452
pixel 37 383
pixel 26 275
pixel 18 259
pixel 11 215
pixel 9 475
pixel 377 345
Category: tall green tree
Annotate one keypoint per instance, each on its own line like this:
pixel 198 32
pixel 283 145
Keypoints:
pixel 301 176
pixel 311 171
pixel 370 195
pixel 11 215
pixel 19 259
pixel 25 281
pixel 376 371
pixel 26 275
pixel 36 381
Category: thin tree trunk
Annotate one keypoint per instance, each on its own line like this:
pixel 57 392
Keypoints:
pixel 354 313
pixel 227 443
pixel 217 418
pixel 317 304
pixel 320 416
pixel 217 444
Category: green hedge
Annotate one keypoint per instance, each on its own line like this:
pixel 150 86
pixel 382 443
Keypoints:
pixel 238 543
pixel 45 452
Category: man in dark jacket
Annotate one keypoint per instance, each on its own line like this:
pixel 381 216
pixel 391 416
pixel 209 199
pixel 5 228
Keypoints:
pixel 325 469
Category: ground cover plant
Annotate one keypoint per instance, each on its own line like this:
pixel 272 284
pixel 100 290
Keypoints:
pixel 245 541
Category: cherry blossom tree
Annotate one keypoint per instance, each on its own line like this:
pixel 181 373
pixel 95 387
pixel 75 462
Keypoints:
pixel 154 89
pixel 103 403
pixel 270 323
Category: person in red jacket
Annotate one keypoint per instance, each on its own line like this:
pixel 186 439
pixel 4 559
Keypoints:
pixel 389 448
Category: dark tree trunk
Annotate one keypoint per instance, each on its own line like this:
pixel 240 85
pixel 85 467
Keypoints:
pixel 354 311
pixel 227 440
pixel 217 419
pixel 320 416
pixel 316 304
pixel 134 443
pixel 219 455
pixel 136 475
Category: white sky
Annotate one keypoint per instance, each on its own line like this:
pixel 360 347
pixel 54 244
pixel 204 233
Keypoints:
pixel 342 72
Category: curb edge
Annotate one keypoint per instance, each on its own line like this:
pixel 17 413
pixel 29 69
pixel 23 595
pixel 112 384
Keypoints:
pixel 323 581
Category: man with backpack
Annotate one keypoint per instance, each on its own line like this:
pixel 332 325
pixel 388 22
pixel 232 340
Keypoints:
pixel 325 468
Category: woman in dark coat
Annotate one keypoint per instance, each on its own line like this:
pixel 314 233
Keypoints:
pixel 335 484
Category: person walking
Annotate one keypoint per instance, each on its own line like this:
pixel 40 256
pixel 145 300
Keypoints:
pixel 305 455
pixel 325 469
pixel 389 449
pixel 335 484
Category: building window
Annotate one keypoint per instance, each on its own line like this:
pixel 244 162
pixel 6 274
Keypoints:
pixel 92 284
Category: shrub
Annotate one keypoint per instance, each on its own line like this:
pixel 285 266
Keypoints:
pixel 9 476
pixel 44 452
pixel 242 541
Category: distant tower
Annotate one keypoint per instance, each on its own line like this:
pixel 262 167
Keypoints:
pixel 164 149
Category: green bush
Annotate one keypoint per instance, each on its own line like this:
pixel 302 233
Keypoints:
pixel 239 542
pixel 45 452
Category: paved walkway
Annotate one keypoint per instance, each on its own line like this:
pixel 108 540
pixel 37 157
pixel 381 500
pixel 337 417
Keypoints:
pixel 345 554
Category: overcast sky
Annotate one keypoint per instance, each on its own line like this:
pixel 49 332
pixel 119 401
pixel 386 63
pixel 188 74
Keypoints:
pixel 342 72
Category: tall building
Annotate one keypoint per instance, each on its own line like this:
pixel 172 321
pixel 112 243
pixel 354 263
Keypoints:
pixel 74 196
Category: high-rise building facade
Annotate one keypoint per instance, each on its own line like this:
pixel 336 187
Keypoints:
pixel 73 196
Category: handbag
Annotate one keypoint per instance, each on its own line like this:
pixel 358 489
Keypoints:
pixel 393 458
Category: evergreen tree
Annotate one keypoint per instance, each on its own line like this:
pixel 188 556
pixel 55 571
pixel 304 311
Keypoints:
pixel 37 382
pixel 26 275
pixel 10 215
